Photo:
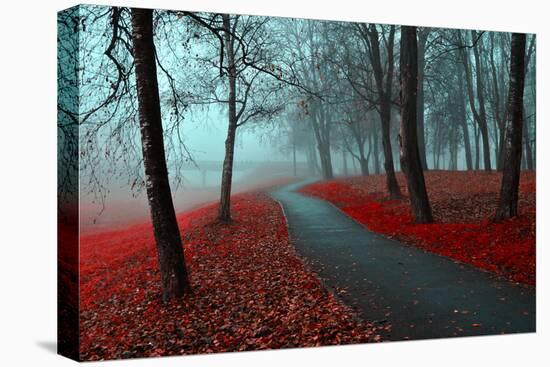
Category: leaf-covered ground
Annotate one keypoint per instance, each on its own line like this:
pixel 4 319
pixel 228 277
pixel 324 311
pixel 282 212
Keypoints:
pixel 251 291
pixel 463 204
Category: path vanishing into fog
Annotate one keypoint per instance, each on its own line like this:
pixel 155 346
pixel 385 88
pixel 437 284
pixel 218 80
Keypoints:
pixel 421 295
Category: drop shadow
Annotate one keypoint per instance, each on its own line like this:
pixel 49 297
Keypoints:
pixel 48 345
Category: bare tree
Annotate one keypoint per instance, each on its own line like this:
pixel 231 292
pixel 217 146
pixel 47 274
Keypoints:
pixel 173 272
pixel 251 78
pixel 423 34
pixel 410 157
pixel 384 80
pixel 479 112
pixel 508 202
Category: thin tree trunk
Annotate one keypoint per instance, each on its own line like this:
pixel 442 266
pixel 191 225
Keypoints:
pixel 527 144
pixel 479 116
pixel 326 162
pixel 364 163
pixel 422 39
pixel 173 272
pixel 391 180
pixel 376 153
pixel 526 133
pixel 476 135
pixel 410 157
pixel 227 170
pixel 508 202
pixel 369 153
pixel 344 162
pixel 463 122
pixel 294 153
pixel 482 114
pixel 384 86
pixel 354 166
pixel 498 117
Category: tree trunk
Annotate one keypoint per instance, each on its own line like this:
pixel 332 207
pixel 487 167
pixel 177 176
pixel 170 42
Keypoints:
pixel 224 214
pixel 353 164
pixel 294 154
pixel 363 162
pixel 499 117
pixel 384 88
pixel 508 202
pixel 391 180
pixel 479 116
pixel 344 162
pixel 173 272
pixel 321 128
pixel 482 119
pixel 476 135
pixel 463 121
pixel 527 144
pixel 376 153
pixel 410 157
pixel 326 161
pixel 422 39
pixel 526 133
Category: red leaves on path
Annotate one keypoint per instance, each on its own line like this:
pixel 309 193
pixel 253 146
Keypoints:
pixel 250 290
pixel 463 203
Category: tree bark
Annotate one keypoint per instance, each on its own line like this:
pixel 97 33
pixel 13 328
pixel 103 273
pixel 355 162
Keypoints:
pixel 526 134
pixel 463 121
pixel 376 153
pixel 482 115
pixel 479 116
pixel 384 88
pixel 173 272
pixel 410 157
pixel 344 163
pixel 422 39
pixel 498 117
pixel 321 128
pixel 224 214
pixel 508 202
pixel 476 135
pixel 527 144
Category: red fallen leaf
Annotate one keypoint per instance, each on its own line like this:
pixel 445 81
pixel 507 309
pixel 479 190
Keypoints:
pixel 250 290
pixel 463 204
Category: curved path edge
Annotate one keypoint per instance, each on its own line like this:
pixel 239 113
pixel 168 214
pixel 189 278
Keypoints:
pixel 419 294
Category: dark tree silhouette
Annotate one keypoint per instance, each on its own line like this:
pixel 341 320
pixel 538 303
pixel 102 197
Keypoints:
pixel 410 156
pixel 383 81
pixel 227 171
pixel 423 34
pixel 167 236
pixel 480 116
pixel 508 202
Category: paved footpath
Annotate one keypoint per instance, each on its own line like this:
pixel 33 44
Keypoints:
pixel 421 295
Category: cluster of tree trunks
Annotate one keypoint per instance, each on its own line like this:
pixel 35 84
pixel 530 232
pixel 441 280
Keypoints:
pixel 384 82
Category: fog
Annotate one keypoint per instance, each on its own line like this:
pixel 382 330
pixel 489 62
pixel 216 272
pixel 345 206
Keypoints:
pixel 205 133
pixel 310 98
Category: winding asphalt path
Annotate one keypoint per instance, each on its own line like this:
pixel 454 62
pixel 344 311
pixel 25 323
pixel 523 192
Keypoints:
pixel 420 294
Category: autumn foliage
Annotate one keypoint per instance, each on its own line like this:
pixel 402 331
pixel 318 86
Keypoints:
pixel 250 290
pixel 463 204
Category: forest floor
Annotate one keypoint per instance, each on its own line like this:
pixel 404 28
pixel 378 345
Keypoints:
pixel 250 290
pixel 463 205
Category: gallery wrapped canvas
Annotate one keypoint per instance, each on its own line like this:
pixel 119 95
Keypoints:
pixel 232 183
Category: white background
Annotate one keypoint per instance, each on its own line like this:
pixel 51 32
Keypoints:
pixel 28 182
